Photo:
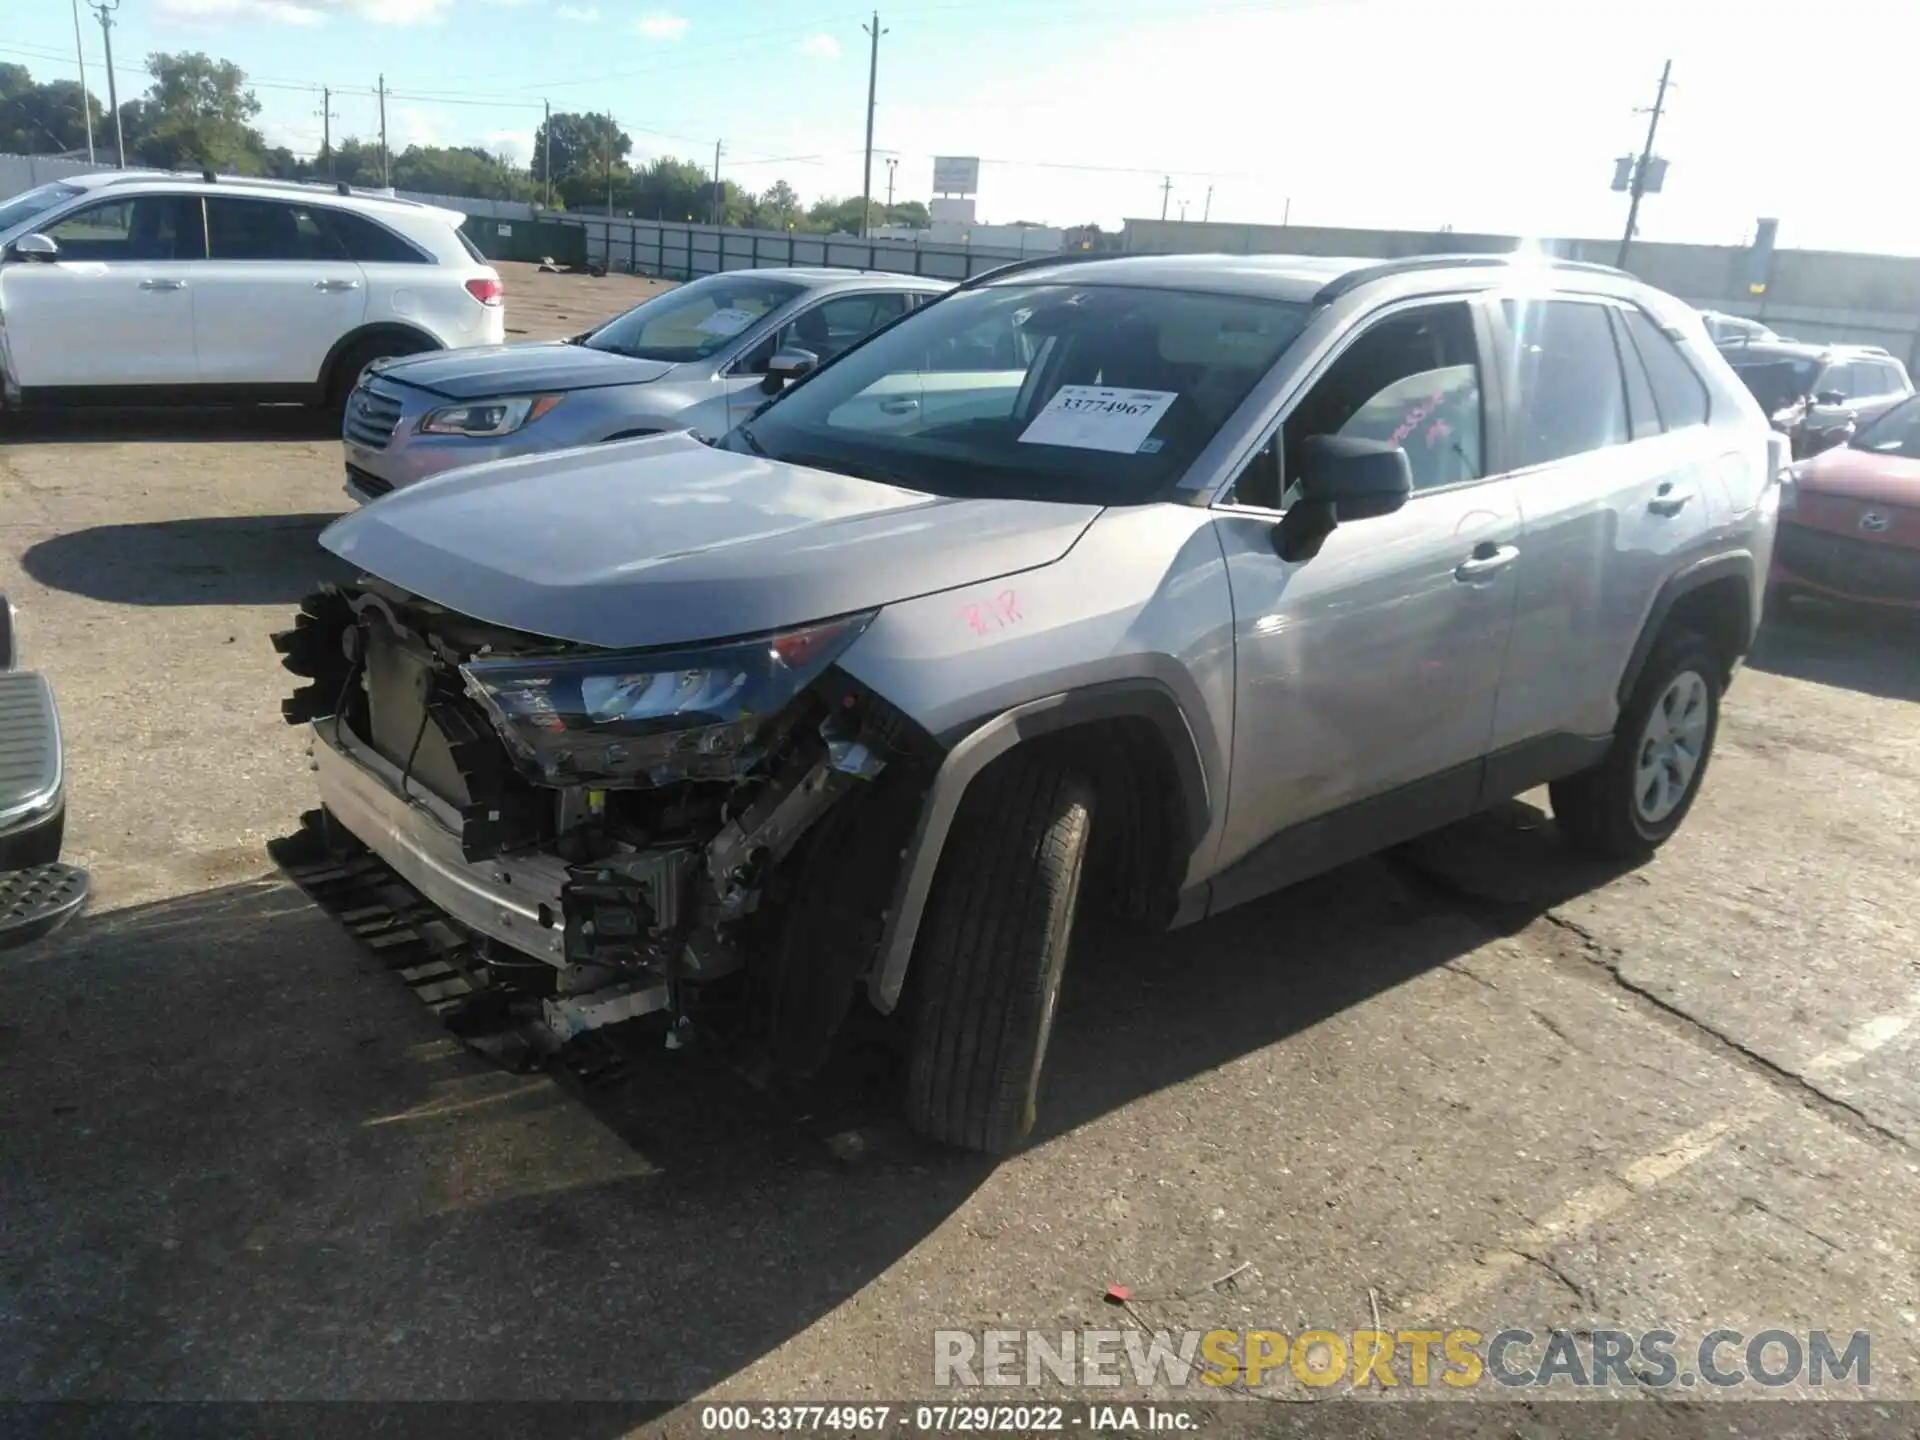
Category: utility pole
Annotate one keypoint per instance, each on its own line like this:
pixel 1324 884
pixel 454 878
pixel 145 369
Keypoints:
pixel 104 9
pixel 873 82
pixel 609 155
pixel 86 100
pixel 546 149
pixel 893 163
pixel 1639 186
pixel 718 208
pixel 1183 212
pixel 326 130
pixel 1166 194
pixel 385 182
pixel 1207 214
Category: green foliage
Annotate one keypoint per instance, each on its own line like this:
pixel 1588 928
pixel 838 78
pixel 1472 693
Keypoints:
pixel 42 119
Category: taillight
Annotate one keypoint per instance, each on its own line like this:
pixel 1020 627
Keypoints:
pixel 487 290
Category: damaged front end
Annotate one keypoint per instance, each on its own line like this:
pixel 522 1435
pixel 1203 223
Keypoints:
pixel 608 827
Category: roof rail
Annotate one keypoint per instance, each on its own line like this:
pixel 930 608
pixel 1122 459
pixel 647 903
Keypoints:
pixel 1413 264
pixel 1031 262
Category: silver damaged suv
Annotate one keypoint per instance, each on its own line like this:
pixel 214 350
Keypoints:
pixel 1152 583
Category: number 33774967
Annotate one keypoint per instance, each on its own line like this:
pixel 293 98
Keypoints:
pixel 983 617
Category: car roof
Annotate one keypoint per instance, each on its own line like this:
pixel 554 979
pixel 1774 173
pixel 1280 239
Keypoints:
pixel 1303 278
pixel 200 183
pixel 1778 350
pixel 823 276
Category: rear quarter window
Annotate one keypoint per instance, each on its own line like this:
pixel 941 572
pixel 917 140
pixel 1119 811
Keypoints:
pixel 1678 390
pixel 370 243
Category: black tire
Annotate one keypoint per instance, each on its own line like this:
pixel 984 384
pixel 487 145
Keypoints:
pixel 357 356
pixel 985 977
pixel 1598 808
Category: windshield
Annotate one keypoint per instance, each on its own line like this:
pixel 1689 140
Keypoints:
pixel 1094 393
pixel 695 320
pixel 22 208
pixel 1777 383
pixel 1895 433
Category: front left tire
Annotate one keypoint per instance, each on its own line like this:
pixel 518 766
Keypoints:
pixel 986 973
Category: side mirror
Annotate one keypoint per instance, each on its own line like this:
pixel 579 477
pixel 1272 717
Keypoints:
pixel 786 367
pixel 1825 397
pixel 35 247
pixel 1341 479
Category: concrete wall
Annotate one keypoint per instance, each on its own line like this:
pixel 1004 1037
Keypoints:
pixel 1819 295
pixel 24 172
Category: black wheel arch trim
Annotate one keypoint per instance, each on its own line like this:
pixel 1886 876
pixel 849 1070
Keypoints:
pixel 367 332
pixel 979 746
pixel 1676 588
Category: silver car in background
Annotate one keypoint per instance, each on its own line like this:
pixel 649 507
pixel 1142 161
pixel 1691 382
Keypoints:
pixel 701 356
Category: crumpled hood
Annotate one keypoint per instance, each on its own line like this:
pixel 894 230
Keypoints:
pixel 665 541
pixel 487 370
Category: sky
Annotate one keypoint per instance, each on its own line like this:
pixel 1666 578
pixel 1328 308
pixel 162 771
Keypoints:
pixel 1484 115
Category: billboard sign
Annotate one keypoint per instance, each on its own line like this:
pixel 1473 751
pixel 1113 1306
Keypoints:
pixel 956 174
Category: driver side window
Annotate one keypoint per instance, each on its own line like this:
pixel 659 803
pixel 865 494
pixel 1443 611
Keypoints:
pixel 1412 381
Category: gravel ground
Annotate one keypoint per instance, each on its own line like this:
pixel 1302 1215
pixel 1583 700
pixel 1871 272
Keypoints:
pixel 1471 1084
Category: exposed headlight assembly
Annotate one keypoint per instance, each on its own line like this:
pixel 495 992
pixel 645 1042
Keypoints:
pixel 488 417
pixel 651 717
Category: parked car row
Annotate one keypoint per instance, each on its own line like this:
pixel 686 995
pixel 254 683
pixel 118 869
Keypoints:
pixel 932 620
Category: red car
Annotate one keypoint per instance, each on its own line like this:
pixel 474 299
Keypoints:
pixel 1850 518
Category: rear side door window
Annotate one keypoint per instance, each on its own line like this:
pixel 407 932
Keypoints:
pixel 268 230
pixel 1838 380
pixel 1569 396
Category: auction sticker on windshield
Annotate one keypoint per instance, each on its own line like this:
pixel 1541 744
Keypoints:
pixel 727 322
pixel 1098 417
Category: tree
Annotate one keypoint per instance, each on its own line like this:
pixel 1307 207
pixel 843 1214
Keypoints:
pixel 669 189
pixel 908 212
pixel 777 208
pixel 196 112
pixel 43 119
pixel 462 170
pixel 580 146
pixel 839 217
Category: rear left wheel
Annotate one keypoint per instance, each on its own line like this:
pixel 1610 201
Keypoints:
pixel 1628 805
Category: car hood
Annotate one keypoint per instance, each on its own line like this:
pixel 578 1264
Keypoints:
pixel 665 541
pixel 487 370
pixel 1861 475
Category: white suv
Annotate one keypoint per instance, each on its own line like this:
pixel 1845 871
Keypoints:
pixel 145 287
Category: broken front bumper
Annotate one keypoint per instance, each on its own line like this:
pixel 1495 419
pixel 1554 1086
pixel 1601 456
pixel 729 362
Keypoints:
pixel 514 899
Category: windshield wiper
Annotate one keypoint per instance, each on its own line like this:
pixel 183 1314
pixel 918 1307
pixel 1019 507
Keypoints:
pixel 752 444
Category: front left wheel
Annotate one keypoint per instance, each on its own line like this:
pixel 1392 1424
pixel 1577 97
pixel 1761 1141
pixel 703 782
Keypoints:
pixel 985 978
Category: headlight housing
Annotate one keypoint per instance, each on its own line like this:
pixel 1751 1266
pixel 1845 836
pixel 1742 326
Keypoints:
pixel 488 417
pixel 651 717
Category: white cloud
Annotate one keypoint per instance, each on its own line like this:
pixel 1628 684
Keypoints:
pixel 820 47
pixel 416 127
pixel 302 12
pixel 506 4
pixel 662 26
pixel 579 14
pixel 516 145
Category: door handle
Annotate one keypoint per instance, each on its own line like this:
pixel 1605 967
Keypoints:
pixel 336 285
pixel 899 407
pixel 163 284
pixel 1487 559
pixel 1666 501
